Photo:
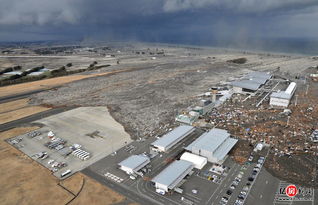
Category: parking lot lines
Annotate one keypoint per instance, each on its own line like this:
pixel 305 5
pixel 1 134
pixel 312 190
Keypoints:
pixel 113 177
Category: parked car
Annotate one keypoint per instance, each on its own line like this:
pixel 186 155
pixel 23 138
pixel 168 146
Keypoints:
pixel 225 199
pixel 250 158
pixel 245 188
pixel 250 178
pixel 229 192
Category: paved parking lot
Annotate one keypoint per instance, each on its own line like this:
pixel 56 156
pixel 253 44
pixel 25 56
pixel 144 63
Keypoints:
pixel 91 127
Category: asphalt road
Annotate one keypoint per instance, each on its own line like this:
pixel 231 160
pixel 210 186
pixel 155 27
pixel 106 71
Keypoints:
pixel 37 116
pixel 129 193
pixel 19 96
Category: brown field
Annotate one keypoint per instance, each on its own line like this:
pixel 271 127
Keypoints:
pixel 41 84
pixel 49 83
pixel 97 194
pixel 13 105
pixel 24 181
pixel 20 113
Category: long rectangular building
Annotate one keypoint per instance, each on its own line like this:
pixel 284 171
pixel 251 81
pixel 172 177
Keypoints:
pixel 172 138
pixel 282 98
pixel 214 145
pixel 171 176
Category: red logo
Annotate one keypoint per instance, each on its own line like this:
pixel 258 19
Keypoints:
pixel 291 190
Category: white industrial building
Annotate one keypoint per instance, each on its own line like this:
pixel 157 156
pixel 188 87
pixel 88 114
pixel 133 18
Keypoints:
pixel 251 82
pixel 172 138
pixel 282 98
pixel 198 161
pixel 172 176
pixel 134 163
pixel 214 145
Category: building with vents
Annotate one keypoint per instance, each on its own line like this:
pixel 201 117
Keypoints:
pixel 282 98
pixel 134 163
pixel 213 145
pixel 172 176
pixel 170 139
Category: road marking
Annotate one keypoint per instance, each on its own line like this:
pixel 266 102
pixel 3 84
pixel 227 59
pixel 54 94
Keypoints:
pixel 266 182
pixel 261 196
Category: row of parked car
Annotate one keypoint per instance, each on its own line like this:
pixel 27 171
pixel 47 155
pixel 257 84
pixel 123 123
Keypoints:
pixel 232 187
pixel 242 195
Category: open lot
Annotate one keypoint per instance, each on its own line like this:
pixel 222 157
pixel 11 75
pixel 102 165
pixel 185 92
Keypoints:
pixel 24 181
pixel 92 128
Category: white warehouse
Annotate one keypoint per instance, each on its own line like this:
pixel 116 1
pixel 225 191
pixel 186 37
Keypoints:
pixel 214 145
pixel 198 161
pixel 172 138
pixel 134 163
pixel 282 98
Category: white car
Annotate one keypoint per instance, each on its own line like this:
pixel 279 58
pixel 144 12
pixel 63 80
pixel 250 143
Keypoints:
pixel 51 161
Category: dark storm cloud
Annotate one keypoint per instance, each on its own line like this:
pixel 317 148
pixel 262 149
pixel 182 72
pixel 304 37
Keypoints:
pixel 190 21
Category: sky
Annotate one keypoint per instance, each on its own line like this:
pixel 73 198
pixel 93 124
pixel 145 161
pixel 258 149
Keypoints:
pixel 200 22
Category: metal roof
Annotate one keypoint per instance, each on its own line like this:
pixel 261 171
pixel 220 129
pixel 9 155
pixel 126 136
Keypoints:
pixel 173 137
pixel 197 160
pixel 135 162
pixel 209 141
pixel 256 79
pixel 222 151
pixel 258 74
pixel 291 88
pixel 247 84
pixel 281 94
pixel 174 173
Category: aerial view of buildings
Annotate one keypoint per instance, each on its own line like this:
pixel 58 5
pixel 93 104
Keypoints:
pixel 161 102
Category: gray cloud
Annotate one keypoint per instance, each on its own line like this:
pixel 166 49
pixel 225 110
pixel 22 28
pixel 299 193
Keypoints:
pixel 204 22
pixel 235 5
pixel 38 12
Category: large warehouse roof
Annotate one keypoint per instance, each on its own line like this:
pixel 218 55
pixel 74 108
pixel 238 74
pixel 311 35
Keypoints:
pixel 258 74
pixel 173 137
pixel 222 151
pixel 210 140
pixel 247 84
pixel 135 162
pixel 253 80
pixel 174 173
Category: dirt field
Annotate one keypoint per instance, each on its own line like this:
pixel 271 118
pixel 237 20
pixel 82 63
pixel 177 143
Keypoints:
pixel 41 84
pixel 97 194
pixel 24 181
pixel 20 113
pixel 13 105
pixel 150 93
